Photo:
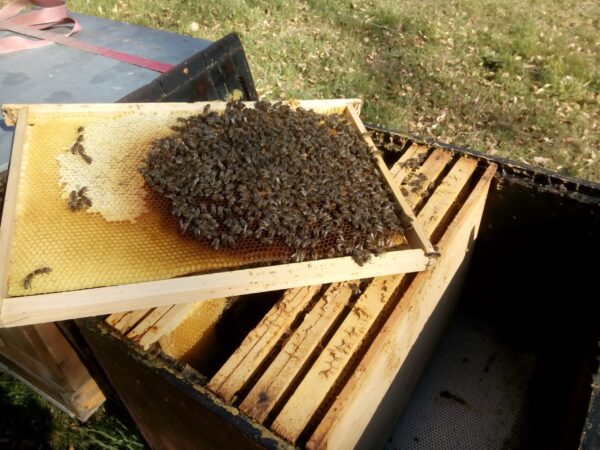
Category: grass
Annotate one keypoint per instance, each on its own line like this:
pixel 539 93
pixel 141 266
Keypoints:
pixel 514 79
pixel 30 422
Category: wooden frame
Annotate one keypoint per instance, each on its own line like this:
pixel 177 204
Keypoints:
pixel 15 311
pixel 344 424
pixel 287 377
pixel 316 367
pixel 145 327
pixel 40 356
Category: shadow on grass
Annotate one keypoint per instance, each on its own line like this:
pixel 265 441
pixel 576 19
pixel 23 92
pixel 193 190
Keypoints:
pixel 26 423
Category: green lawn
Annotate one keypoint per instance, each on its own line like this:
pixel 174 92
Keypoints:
pixel 512 78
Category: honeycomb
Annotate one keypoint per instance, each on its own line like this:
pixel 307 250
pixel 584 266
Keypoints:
pixel 128 234
pixel 195 339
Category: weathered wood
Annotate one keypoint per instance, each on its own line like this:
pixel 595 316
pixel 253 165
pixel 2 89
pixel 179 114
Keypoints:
pixel 400 170
pixel 343 346
pixel 113 319
pixel 16 345
pixel 41 347
pixel 291 360
pixel 329 366
pixel 294 355
pixel 260 342
pixel 347 418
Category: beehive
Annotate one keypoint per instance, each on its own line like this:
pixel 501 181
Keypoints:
pixel 315 368
pixel 126 237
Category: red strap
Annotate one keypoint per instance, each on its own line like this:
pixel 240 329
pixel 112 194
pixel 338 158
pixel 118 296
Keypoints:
pixel 53 13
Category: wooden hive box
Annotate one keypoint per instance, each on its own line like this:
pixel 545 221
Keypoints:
pixel 312 370
pixel 41 357
pixel 126 256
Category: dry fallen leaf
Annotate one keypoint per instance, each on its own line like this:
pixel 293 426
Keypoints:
pixel 541 160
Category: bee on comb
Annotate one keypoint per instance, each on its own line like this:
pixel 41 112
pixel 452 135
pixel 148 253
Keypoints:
pixel 78 149
pixel 29 278
pixel 78 200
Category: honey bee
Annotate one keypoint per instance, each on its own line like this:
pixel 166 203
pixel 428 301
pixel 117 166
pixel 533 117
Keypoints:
pixel 76 148
pixel 84 155
pixel 27 281
pixel 29 278
pixel 73 201
pixel 334 356
pixel 350 332
pixel 326 372
pixel 360 312
pixel 86 201
pixel 78 200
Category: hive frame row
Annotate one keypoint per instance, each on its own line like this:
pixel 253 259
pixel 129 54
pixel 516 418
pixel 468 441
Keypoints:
pixel 280 376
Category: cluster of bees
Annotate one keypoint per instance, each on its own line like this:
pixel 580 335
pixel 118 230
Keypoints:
pixel 78 200
pixel 29 278
pixel 78 149
pixel 389 142
pixel 276 175
pixel 394 143
pixel 414 182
